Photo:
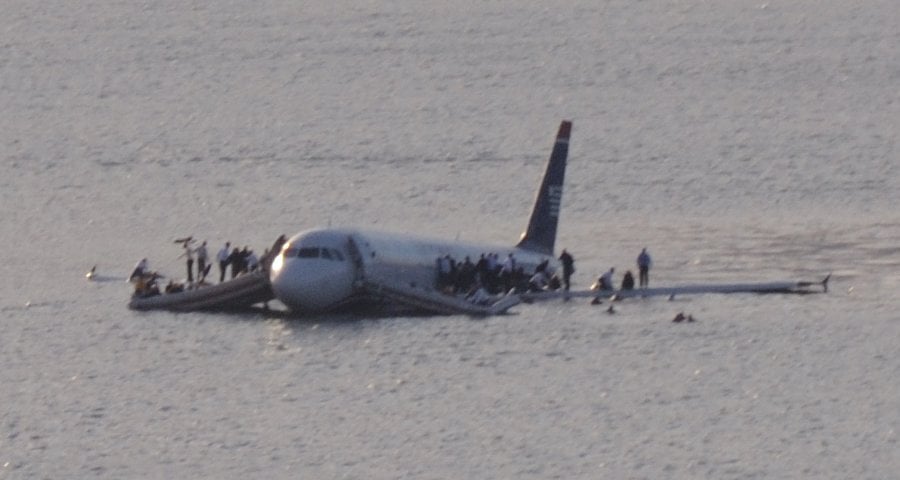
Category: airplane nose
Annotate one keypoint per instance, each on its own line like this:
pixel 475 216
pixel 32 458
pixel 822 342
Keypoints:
pixel 277 264
pixel 311 284
pixel 287 282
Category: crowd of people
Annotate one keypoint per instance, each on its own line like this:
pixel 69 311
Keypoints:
pixel 606 281
pixel 144 279
pixel 492 275
pixel 239 261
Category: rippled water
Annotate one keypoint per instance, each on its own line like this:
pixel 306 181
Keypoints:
pixel 739 142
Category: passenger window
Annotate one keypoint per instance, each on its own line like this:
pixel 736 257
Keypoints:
pixel 326 254
pixel 290 252
pixel 308 253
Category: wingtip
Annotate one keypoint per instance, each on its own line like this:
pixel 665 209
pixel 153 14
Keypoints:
pixel 565 129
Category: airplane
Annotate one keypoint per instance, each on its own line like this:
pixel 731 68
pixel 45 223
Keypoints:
pixel 329 269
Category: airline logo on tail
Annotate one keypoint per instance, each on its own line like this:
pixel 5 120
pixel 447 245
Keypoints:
pixel 555 200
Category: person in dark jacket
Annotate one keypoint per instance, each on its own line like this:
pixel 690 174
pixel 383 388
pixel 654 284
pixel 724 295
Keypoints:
pixel 628 281
pixel 644 263
pixel 568 264
pixel 234 259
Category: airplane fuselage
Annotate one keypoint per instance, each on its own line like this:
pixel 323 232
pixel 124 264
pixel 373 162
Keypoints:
pixel 322 270
pixel 325 269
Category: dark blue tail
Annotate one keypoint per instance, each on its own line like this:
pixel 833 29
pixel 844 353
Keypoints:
pixel 541 233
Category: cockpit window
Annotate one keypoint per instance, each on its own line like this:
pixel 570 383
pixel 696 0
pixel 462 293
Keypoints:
pixel 314 252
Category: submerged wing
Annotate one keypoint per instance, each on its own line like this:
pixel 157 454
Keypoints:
pixel 436 302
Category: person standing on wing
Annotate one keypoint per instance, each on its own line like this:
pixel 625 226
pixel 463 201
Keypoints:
pixel 606 280
pixel 644 262
pixel 628 281
pixel 568 264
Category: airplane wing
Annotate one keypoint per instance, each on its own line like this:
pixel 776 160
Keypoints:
pixel 430 300
pixel 798 287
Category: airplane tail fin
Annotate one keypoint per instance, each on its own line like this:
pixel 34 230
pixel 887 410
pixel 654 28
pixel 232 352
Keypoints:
pixel 540 235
